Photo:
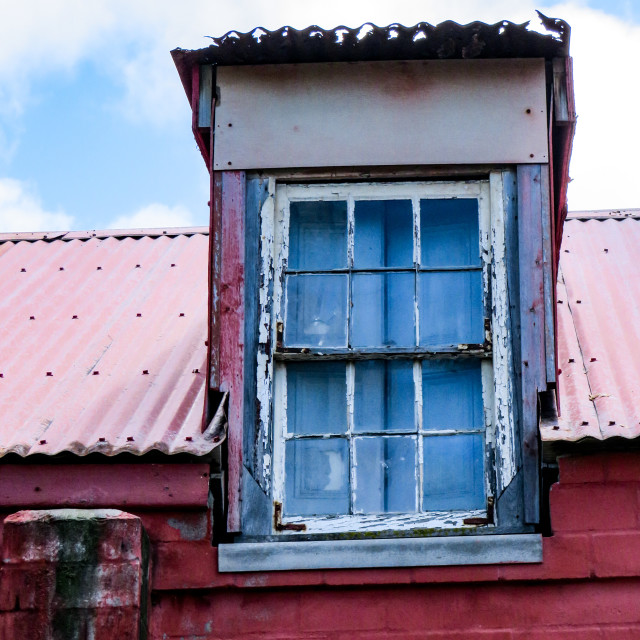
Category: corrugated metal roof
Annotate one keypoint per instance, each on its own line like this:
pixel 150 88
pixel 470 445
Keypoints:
pixel 422 41
pixel 102 342
pixel 598 320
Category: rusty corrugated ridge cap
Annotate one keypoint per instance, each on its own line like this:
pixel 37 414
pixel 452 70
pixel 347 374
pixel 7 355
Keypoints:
pixel 368 42
pixel 34 236
pixel 604 214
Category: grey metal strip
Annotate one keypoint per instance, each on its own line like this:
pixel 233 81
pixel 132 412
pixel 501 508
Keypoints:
pixel 396 552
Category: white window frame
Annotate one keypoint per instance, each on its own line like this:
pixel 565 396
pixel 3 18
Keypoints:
pixel 497 387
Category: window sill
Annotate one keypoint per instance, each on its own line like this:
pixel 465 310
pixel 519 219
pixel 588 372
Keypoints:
pixel 396 552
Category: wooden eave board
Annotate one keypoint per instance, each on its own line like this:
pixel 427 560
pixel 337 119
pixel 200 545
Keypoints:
pixel 381 113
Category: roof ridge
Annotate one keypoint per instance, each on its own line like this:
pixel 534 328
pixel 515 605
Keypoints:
pixel 33 236
pixel 604 214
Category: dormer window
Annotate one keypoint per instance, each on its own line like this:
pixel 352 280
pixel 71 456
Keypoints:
pixel 383 377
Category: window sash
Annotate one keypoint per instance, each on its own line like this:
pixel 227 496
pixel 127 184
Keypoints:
pixel 478 190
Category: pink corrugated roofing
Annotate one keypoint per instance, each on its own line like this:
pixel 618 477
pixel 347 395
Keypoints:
pixel 598 320
pixel 102 342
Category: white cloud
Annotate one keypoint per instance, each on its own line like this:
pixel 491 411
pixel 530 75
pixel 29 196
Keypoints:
pixel 21 210
pixel 153 216
pixel 131 39
pixel 604 164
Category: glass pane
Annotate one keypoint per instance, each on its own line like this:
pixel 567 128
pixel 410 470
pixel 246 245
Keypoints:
pixel 452 395
pixel 449 233
pixel 384 395
pixel 383 235
pixel 316 311
pixel 318 235
pixel 385 474
pixel 383 310
pixel 316 397
pixel 453 473
pixel 317 477
pixel 450 307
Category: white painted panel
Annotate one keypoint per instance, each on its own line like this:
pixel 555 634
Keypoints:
pixel 381 113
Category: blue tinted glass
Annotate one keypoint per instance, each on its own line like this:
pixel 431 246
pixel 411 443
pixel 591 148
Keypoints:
pixel 449 233
pixel 317 477
pixel 453 473
pixel 385 474
pixel 318 235
pixel 316 397
pixel 451 395
pixel 384 395
pixel 382 313
pixel 383 235
pixel 450 306
pixel 316 311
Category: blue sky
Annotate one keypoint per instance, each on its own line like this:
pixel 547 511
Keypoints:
pixel 95 127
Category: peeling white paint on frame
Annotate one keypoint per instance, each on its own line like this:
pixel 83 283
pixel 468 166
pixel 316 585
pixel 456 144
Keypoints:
pixel 497 386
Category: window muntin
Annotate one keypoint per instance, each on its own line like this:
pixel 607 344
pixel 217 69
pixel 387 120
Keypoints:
pixel 379 442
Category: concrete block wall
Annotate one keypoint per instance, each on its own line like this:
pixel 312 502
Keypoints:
pixel 73 574
pixel 586 587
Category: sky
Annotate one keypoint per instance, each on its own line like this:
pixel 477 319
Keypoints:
pixel 95 128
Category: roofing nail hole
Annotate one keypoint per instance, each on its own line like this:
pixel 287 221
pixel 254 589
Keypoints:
pixel 138 315
pixel 49 374
pixel 529 111
pixel 585 423
pixel 102 439
pixel 96 373
pixel 181 315
pixel 32 317
pixel 43 442
pixel 129 438
pixel 592 360
pixel 61 269
pixel 137 266
pixel 578 301
pixel 98 268
pixel 188 438
pixel 571 360
pixel 145 372
pixel 74 317
pixel 23 270
pixel 173 264
pixel 531 155
pixel 36 489
pixel 611 423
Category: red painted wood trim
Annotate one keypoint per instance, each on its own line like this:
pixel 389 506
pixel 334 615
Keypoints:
pixel 120 486
pixel 215 255
pixel 195 102
pixel 232 330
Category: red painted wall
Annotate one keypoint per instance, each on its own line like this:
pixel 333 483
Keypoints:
pixel 587 587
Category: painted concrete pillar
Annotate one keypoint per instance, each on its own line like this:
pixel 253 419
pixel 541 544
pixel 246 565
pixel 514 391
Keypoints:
pixel 73 574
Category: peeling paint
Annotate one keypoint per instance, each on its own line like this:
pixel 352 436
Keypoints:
pixel 503 366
